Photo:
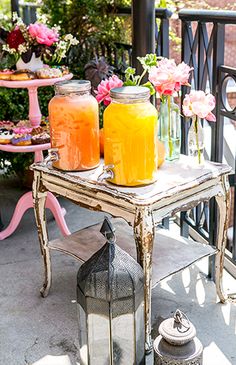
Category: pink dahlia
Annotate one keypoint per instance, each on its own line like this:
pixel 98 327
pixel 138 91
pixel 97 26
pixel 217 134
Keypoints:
pixel 200 104
pixel 103 92
pixel 43 34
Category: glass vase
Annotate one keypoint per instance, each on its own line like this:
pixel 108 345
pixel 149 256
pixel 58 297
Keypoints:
pixel 170 127
pixel 196 141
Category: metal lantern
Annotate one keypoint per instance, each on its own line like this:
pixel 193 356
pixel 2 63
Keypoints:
pixel 110 298
pixel 177 343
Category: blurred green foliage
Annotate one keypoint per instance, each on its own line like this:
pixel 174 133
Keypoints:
pixel 93 22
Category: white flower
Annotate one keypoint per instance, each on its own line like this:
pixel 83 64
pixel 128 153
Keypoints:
pixel 68 37
pixel 22 48
pixel 14 16
pixel 42 18
pixel 6 48
pixel 74 42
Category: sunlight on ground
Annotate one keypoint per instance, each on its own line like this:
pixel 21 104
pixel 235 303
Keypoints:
pixel 53 360
pixel 215 355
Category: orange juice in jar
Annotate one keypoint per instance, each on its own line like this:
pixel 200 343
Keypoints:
pixel 130 137
pixel 74 125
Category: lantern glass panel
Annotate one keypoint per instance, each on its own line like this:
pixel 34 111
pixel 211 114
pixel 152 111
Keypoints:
pixel 99 332
pixel 123 338
pixel 83 333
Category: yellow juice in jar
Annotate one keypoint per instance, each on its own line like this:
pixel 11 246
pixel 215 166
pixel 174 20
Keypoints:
pixel 130 142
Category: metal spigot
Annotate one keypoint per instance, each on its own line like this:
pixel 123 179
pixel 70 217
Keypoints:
pixel 52 156
pixel 107 173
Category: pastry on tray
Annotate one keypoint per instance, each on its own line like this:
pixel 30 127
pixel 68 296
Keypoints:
pixel 22 130
pixel 24 123
pixel 6 124
pixel 22 75
pixel 6 136
pixel 64 69
pixel 37 130
pixel 6 75
pixel 21 140
pixel 48 73
pixel 40 138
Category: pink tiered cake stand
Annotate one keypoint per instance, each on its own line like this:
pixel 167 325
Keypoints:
pixel 26 201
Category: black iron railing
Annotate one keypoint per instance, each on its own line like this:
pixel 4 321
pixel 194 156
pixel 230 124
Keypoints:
pixel 203 47
pixel 227 113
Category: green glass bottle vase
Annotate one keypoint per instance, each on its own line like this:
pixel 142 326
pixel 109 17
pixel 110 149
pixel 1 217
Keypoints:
pixel 169 130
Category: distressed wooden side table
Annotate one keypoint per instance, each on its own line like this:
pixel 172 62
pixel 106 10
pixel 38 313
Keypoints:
pixel 180 186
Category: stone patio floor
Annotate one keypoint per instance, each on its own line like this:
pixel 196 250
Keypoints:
pixel 37 331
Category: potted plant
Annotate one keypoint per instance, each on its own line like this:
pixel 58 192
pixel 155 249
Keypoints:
pixel 36 43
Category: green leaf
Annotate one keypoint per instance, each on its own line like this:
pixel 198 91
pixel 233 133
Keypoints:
pixel 150 87
pixel 129 83
pixel 148 61
pixel 130 71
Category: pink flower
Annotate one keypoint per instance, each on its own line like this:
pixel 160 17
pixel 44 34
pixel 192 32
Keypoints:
pixel 103 92
pixel 200 104
pixel 182 73
pixel 43 34
pixel 167 77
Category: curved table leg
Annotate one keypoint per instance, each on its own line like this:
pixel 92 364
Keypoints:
pixel 39 198
pixel 58 213
pixel 223 202
pixel 26 202
pixel 22 206
pixel 144 231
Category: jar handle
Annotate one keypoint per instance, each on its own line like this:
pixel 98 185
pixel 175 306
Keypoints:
pixel 52 156
pixel 107 173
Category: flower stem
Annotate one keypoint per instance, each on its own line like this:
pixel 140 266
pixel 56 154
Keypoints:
pixel 169 127
pixel 141 77
pixel 197 140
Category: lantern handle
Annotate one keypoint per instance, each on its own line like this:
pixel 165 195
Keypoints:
pixel 179 316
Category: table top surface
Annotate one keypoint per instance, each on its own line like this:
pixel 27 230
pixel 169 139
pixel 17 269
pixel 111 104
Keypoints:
pixel 34 83
pixel 173 177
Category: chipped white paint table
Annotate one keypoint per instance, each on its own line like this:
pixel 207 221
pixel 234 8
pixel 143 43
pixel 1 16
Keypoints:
pixel 180 186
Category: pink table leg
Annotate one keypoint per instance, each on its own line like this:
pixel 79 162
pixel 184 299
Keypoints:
pixel 34 109
pixel 26 202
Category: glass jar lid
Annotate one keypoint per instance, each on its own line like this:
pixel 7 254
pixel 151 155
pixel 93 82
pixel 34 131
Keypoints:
pixel 130 92
pixel 72 86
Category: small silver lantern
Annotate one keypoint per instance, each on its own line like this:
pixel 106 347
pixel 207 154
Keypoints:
pixel 177 344
pixel 110 297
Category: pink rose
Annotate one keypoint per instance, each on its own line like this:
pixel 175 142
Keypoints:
pixel 43 34
pixel 200 104
pixel 167 77
pixel 103 92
